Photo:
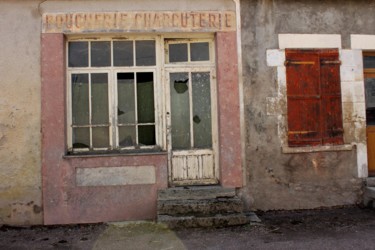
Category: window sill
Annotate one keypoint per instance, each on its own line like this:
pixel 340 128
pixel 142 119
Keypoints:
pixel 112 154
pixel 311 149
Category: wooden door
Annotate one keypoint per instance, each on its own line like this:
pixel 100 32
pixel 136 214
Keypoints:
pixel 369 72
pixel 190 126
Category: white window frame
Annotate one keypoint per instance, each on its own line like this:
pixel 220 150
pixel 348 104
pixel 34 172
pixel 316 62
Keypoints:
pixel 112 92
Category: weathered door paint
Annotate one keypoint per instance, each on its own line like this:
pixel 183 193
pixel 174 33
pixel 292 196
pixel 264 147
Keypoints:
pixel 190 118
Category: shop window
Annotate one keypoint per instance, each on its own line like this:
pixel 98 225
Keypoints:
pixel 313 97
pixel 111 95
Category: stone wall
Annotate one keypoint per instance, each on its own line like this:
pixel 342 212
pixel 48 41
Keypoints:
pixel 277 180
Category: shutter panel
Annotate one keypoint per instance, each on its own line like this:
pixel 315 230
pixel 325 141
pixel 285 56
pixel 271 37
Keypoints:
pixel 304 97
pixel 332 127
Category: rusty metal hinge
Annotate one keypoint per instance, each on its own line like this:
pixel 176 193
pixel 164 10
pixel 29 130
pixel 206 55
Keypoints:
pixel 288 62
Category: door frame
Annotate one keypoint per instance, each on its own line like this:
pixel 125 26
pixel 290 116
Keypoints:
pixel 192 67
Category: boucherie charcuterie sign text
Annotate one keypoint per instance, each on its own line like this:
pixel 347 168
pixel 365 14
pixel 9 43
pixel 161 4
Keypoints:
pixel 197 21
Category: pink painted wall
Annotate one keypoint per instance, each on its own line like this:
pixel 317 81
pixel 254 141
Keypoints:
pixel 229 110
pixel 65 203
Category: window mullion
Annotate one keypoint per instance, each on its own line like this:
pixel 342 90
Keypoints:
pixel 191 111
pixel 322 108
pixel 136 108
pixel 90 112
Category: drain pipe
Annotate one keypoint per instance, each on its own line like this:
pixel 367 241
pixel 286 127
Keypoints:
pixel 240 87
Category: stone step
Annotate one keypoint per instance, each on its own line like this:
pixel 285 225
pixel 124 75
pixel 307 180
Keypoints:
pixel 196 193
pixel 200 207
pixel 370 181
pixel 369 196
pixel 210 221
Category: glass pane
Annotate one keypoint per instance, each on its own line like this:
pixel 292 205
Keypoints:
pixel 180 110
pixel 99 98
pixel 126 100
pixel 199 52
pixel 369 62
pixel 145 53
pixel 80 99
pixel 78 54
pixel 202 110
pixel 123 53
pixel 146 135
pixel 81 137
pixel 100 54
pixel 370 100
pixel 145 97
pixel 178 52
pixel 127 136
pixel 100 137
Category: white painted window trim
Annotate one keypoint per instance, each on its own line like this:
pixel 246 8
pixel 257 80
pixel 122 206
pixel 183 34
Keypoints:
pixel 352 91
pixel 361 43
pixel 309 41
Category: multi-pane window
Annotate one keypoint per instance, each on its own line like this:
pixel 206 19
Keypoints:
pixel 314 97
pixel 111 94
pixel 190 86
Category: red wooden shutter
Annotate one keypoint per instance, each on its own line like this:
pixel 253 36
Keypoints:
pixel 303 96
pixel 332 128
pixel 314 97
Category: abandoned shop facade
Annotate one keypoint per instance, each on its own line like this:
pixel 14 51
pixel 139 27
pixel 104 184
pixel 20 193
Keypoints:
pixel 105 103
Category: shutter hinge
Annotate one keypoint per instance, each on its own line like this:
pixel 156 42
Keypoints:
pixel 331 62
pixel 289 62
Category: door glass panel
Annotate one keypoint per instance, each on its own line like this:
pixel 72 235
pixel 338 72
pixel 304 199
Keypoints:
pixel 178 52
pixel 202 110
pixel 100 137
pixel 100 54
pixel 80 99
pixel 370 100
pixel 146 135
pixel 145 53
pixel 126 100
pixel 81 137
pixel 123 53
pixel 99 98
pixel 199 52
pixel 180 110
pixel 145 97
pixel 127 136
pixel 78 54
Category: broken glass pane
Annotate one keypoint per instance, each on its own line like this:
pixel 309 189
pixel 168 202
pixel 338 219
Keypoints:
pixel 199 52
pixel 178 52
pixel 81 137
pixel 145 53
pixel 369 62
pixel 80 99
pixel 146 135
pixel 78 54
pixel 126 100
pixel 145 97
pixel 180 110
pixel 123 53
pixel 202 110
pixel 100 54
pixel 99 98
pixel 127 136
pixel 100 137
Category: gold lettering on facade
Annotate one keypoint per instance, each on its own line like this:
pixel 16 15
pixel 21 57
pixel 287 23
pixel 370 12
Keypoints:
pixel 204 21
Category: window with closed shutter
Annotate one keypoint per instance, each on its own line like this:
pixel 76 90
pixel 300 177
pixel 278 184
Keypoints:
pixel 314 97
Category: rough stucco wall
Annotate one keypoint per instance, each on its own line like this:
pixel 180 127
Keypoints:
pixel 293 181
pixel 20 166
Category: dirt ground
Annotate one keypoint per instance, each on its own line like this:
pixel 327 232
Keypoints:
pixel 339 228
